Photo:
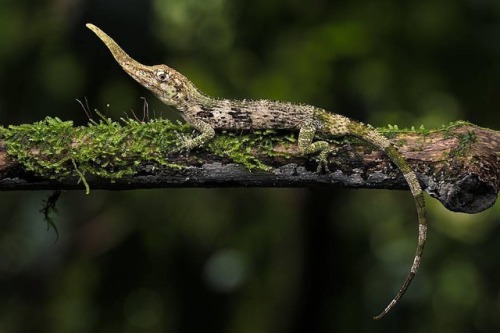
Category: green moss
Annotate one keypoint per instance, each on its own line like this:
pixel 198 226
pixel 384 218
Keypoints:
pixel 35 145
pixel 54 148
pixel 392 130
pixel 465 141
pixel 109 149
pixel 241 148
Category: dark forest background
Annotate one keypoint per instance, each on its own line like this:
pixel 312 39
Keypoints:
pixel 250 260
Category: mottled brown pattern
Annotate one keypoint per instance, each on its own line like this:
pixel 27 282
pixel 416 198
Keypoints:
pixel 248 115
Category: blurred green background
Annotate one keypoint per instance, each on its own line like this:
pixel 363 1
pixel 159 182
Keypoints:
pixel 250 260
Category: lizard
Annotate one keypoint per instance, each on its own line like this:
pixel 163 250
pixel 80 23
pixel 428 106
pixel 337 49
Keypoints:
pixel 208 115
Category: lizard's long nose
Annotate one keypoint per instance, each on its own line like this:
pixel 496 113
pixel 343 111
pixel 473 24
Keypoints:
pixel 132 67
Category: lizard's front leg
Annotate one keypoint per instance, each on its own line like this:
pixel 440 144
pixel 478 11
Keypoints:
pixel 207 133
pixel 307 146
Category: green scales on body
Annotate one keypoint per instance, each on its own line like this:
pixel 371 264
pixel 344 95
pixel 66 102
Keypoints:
pixel 208 115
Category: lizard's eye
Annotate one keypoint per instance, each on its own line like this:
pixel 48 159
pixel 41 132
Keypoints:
pixel 162 76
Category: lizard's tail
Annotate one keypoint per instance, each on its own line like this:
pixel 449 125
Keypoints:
pixel 386 146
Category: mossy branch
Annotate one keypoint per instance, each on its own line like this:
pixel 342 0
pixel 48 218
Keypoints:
pixel 458 164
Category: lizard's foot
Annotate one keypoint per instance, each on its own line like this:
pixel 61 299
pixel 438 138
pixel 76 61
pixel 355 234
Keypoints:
pixel 323 161
pixel 184 144
pixel 189 143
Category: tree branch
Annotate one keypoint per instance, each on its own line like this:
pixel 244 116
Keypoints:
pixel 458 164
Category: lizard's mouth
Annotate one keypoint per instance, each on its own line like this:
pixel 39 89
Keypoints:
pixel 141 73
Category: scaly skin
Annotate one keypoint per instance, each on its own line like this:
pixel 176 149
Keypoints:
pixel 207 115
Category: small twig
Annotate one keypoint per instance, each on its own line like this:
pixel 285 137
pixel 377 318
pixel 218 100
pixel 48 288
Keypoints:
pixel 86 108
pixel 145 110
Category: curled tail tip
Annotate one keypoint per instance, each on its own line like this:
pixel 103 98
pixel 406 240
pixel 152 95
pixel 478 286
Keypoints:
pixel 381 315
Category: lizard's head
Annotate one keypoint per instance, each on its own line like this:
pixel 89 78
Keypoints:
pixel 166 83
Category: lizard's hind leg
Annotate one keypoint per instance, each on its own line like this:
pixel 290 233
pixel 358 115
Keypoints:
pixel 307 146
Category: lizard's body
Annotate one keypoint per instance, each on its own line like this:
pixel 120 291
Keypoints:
pixel 207 115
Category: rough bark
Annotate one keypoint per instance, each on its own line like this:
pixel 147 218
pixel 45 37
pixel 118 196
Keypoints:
pixel 459 166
